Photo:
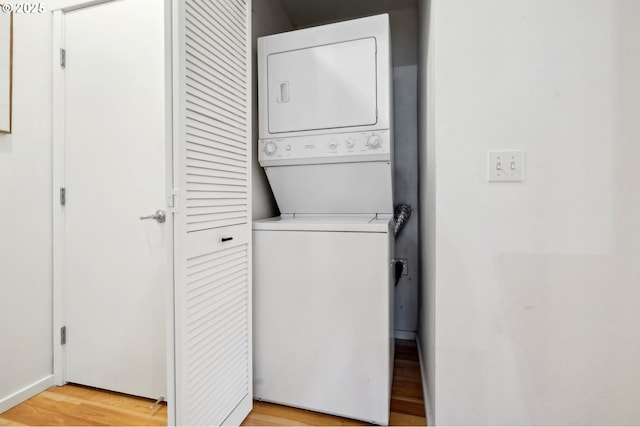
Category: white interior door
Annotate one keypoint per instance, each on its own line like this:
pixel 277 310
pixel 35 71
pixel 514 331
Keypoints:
pixel 115 266
pixel 213 382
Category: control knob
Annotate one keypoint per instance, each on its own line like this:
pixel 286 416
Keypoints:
pixel 349 143
pixel 374 142
pixel 333 145
pixel 270 148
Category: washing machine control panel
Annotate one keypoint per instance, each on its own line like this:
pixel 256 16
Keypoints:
pixel 333 148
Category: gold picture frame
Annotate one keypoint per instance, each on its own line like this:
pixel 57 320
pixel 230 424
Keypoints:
pixel 6 70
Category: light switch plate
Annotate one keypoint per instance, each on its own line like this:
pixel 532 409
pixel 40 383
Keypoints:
pixel 505 166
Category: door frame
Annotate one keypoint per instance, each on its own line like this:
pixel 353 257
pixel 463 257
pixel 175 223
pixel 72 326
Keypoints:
pixel 58 9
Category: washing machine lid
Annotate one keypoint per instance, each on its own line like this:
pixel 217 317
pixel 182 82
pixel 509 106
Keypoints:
pixel 336 223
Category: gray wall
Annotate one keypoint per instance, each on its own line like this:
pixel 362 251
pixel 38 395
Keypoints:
pixel 404 36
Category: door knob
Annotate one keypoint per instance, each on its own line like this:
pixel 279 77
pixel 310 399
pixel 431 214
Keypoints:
pixel 159 216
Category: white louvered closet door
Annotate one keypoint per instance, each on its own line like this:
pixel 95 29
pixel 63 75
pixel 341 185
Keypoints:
pixel 213 382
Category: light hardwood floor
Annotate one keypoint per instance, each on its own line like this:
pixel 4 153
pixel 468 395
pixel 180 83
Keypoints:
pixel 74 405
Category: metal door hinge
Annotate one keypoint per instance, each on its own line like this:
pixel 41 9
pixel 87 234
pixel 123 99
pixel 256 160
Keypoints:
pixel 172 201
pixel 63 58
pixel 63 196
pixel 63 335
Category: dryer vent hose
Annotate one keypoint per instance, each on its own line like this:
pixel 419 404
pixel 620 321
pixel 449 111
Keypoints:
pixel 401 215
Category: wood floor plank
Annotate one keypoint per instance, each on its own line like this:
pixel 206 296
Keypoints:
pixel 111 399
pixel 295 416
pixel 41 411
pixel 73 405
pixel 264 420
pixel 126 404
pixel 6 422
pixel 111 417
pixel 408 364
pixel 410 374
pixel 413 383
pixel 407 392
pixel 403 406
pixel 398 419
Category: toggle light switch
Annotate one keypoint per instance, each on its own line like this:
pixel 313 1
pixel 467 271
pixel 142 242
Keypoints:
pixel 505 166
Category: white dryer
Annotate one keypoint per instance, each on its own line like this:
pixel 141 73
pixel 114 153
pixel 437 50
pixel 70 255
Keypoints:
pixel 323 292
pixel 333 78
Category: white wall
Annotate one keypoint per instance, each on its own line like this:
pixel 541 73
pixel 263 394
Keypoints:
pixel 427 212
pixel 25 214
pixel 536 283
pixel 267 18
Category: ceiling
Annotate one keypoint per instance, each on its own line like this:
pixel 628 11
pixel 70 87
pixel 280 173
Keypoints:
pixel 303 13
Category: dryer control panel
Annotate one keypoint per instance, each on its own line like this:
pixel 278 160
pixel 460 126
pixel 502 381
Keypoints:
pixel 334 148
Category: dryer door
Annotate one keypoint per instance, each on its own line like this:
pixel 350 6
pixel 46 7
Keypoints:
pixel 323 87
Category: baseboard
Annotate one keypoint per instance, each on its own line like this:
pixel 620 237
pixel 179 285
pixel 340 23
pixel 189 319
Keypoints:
pixel 404 335
pixel 425 388
pixel 20 396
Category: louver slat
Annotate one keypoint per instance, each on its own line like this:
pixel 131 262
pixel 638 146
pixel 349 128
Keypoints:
pixel 215 203
pixel 198 68
pixel 198 139
pixel 208 157
pixel 224 15
pixel 215 99
pixel 212 22
pixel 210 42
pixel 197 122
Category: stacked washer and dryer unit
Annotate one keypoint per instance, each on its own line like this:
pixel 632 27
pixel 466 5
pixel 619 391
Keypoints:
pixel 323 288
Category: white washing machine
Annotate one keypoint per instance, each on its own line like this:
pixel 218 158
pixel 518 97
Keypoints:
pixel 323 291
pixel 323 304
